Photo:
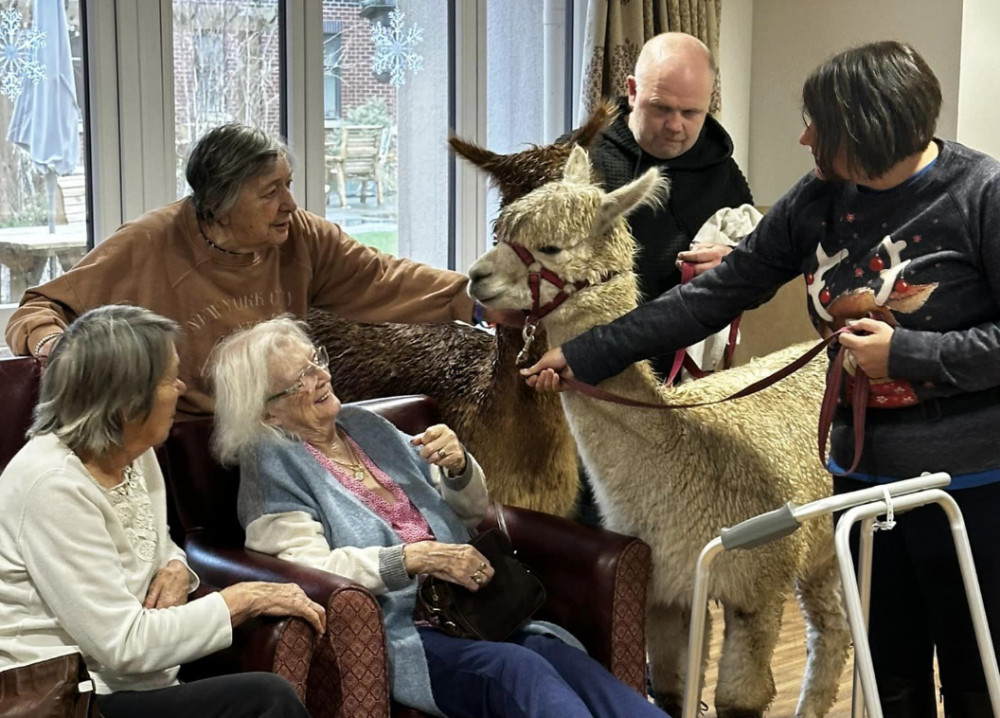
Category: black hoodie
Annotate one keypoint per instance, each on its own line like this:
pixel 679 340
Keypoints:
pixel 703 180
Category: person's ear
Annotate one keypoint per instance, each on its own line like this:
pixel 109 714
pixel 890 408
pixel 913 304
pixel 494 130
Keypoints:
pixel 630 86
pixel 270 420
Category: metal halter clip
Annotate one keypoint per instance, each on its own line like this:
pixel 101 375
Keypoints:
pixel 528 334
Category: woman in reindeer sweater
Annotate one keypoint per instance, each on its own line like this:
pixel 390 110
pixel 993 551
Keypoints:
pixel 897 235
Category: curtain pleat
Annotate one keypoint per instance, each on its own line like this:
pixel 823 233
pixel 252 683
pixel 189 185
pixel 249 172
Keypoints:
pixel 617 30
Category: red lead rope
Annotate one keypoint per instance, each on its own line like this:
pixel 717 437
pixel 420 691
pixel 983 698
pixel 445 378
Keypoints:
pixel 859 398
pixel 683 359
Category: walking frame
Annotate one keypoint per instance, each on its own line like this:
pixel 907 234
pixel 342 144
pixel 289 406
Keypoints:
pixel 863 506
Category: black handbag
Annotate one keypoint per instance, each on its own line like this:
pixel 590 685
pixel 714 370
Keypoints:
pixel 58 687
pixel 497 609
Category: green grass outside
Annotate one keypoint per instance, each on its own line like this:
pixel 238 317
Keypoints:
pixel 384 241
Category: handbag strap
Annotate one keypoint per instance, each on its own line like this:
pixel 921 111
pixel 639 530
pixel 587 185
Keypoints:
pixel 86 704
pixel 501 520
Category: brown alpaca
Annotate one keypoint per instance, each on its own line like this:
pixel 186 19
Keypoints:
pixel 519 437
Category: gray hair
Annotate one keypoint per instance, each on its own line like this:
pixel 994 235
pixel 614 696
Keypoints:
pixel 223 160
pixel 240 368
pixel 102 374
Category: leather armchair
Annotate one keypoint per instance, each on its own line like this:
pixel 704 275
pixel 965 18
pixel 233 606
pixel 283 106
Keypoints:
pixel 595 580
pixel 348 673
pixel 282 646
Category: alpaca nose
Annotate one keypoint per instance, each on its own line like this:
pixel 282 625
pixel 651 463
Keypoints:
pixel 478 274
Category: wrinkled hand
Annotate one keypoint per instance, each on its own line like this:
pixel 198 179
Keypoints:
pixel 169 587
pixel 260 598
pixel 441 447
pixel 505 317
pixel 868 343
pixel 703 256
pixel 544 374
pixel 455 563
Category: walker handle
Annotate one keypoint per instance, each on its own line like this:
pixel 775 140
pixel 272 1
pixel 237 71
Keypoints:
pixel 761 529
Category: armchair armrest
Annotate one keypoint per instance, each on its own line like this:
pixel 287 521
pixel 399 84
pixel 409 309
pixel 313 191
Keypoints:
pixel 348 673
pixel 283 646
pixel 596 584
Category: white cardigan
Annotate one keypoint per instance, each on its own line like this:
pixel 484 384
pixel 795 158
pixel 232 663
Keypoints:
pixel 72 577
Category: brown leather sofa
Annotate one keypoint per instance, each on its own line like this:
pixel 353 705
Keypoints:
pixel 596 580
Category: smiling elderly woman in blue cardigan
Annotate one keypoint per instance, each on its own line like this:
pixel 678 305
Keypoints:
pixel 343 490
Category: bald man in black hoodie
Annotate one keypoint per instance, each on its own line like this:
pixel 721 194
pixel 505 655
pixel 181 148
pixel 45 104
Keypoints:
pixel 664 122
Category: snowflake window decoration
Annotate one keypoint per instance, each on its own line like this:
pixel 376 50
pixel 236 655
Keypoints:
pixel 394 49
pixel 18 54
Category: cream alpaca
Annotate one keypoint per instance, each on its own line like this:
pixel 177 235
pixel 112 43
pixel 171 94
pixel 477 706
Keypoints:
pixel 676 478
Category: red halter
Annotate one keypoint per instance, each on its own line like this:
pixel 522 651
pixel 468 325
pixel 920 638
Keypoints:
pixel 536 274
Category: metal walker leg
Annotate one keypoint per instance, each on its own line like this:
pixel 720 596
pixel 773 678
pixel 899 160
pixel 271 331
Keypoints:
pixel 867 504
pixel 856 601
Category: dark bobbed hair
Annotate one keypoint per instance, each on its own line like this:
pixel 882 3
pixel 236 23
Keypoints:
pixel 880 102
pixel 222 160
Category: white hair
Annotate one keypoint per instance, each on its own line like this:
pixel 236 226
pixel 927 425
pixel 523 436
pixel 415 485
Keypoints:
pixel 240 370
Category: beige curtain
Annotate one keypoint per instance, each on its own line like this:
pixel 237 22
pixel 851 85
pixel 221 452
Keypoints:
pixel 617 29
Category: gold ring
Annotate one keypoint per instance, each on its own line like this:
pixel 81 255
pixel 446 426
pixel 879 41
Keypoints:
pixel 483 566
pixel 442 453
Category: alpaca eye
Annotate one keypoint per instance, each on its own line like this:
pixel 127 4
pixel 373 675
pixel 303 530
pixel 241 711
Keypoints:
pixel 550 249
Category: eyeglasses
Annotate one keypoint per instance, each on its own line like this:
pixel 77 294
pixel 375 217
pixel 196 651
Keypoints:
pixel 320 361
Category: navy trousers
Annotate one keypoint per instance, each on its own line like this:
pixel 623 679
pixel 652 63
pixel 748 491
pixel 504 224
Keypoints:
pixel 530 675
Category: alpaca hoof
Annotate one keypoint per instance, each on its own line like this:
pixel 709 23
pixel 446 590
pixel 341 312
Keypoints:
pixel 734 712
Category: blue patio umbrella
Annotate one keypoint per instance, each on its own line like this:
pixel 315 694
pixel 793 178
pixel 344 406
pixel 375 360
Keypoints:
pixel 46 115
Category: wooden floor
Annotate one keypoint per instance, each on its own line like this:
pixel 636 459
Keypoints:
pixel 788 667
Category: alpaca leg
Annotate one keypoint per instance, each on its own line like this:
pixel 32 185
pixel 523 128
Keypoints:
pixel 746 685
pixel 827 640
pixel 666 641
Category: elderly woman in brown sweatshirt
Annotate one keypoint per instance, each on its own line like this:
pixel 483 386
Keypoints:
pixel 235 252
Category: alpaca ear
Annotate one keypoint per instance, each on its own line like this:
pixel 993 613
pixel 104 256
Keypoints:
pixel 650 189
pixel 479 156
pixel 577 166
pixel 604 114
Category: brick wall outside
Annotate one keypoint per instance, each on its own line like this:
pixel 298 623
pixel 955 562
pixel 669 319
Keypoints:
pixel 358 84
pixel 250 91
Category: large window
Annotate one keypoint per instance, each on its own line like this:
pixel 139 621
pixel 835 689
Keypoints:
pixel 365 91
pixel 386 69
pixel 43 176
pixel 227 68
